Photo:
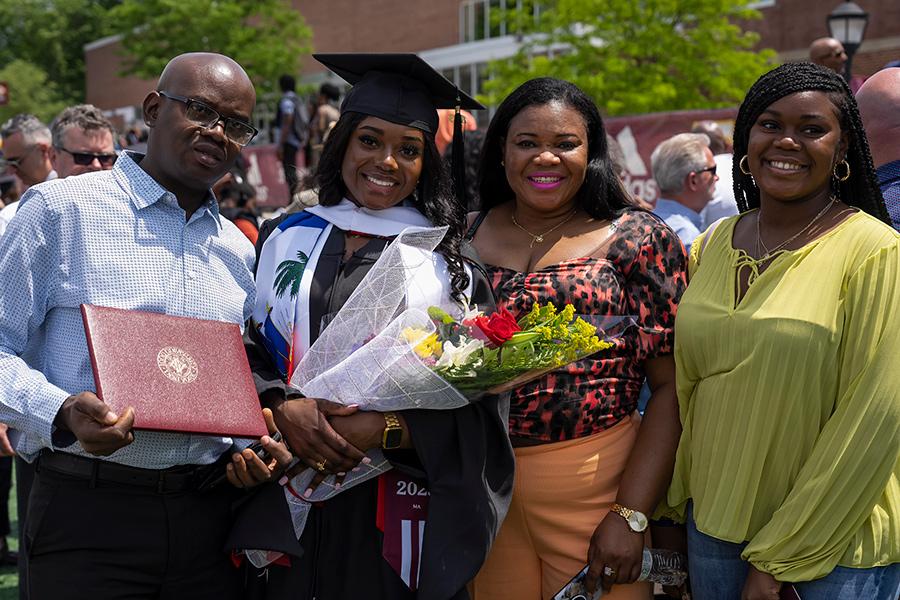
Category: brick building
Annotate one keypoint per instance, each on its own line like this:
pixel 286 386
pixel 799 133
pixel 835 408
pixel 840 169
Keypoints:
pixel 460 36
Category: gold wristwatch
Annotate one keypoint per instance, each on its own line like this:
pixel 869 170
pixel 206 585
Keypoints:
pixel 393 432
pixel 636 520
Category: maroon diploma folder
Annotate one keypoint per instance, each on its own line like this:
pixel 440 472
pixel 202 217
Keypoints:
pixel 179 374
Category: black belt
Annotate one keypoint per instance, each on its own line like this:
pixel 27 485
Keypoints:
pixel 175 479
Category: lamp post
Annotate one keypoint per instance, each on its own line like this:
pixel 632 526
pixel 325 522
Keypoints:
pixel 847 24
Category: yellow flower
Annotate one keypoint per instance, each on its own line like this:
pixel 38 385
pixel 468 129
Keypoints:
pixel 426 345
pixel 413 334
pixel 430 346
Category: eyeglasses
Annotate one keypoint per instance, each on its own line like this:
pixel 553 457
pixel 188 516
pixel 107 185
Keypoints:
pixel 86 158
pixel 202 114
pixel 711 170
pixel 15 163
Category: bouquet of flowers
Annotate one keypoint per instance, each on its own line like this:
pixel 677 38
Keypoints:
pixel 377 355
pixel 496 353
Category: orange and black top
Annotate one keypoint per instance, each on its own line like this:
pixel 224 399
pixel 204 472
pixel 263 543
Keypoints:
pixel 642 277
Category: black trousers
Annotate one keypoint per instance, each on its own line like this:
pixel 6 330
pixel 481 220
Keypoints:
pixel 6 468
pixel 289 164
pixel 24 481
pixel 115 542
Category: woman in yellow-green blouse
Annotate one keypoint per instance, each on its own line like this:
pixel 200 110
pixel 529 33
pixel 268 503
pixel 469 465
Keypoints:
pixel 787 345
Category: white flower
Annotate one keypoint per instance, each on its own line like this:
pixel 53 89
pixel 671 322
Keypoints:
pixel 458 356
pixel 471 312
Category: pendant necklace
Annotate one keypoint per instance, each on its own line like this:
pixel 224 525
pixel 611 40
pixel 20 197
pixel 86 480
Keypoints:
pixel 764 253
pixel 539 238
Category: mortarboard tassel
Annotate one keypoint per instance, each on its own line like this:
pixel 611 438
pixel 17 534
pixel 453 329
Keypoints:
pixel 458 160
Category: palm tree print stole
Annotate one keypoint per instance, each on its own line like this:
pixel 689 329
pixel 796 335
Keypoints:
pixel 284 276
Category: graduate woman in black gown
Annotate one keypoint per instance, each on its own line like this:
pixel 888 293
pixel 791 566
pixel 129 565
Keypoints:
pixel 379 173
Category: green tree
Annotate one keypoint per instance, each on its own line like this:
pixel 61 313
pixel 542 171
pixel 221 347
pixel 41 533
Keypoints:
pixel 267 37
pixel 638 56
pixel 30 91
pixel 51 34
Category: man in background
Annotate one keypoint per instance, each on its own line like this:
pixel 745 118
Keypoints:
pixel 828 52
pixel 685 172
pixel 82 141
pixel 323 120
pixel 292 121
pixel 26 154
pixel 879 107
pixel 723 203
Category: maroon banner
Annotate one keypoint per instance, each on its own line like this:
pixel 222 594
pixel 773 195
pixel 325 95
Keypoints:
pixel 264 172
pixel 639 135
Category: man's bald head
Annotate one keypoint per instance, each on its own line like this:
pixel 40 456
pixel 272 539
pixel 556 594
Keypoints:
pixel 879 107
pixel 828 52
pixel 186 153
pixel 205 66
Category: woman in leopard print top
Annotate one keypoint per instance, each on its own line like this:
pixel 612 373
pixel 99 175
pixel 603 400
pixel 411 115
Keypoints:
pixel 558 227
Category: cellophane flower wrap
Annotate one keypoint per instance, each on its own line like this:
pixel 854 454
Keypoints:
pixel 381 356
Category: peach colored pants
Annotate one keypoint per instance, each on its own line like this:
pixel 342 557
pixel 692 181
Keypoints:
pixel 562 492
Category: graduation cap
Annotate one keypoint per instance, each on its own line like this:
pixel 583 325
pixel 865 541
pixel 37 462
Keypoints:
pixel 404 89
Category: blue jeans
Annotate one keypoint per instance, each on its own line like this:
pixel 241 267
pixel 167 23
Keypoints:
pixel 718 573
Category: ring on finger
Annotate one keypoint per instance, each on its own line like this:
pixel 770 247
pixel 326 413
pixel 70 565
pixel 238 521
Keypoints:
pixel 320 466
pixel 609 572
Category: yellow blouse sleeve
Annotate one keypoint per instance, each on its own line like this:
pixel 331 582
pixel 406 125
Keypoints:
pixel 857 451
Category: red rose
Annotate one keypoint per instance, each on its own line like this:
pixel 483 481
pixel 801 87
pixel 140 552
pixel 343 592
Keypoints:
pixel 499 327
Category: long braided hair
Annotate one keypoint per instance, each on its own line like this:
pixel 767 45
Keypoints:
pixel 861 188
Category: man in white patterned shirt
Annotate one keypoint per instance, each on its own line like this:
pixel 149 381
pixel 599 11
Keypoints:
pixel 145 235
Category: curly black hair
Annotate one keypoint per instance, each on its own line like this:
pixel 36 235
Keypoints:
pixel 432 197
pixel 861 189
pixel 601 195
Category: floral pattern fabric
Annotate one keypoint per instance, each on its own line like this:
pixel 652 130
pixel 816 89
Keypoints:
pixel 642 276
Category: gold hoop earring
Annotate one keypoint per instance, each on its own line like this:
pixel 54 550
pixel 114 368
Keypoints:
pixel 744 170
pixel 502 163
pixel 846 166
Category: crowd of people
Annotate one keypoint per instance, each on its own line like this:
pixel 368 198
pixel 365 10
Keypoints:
pixel 761 317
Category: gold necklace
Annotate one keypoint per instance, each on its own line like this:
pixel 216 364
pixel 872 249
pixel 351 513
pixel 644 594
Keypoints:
pixel 760 242
pixel 539 238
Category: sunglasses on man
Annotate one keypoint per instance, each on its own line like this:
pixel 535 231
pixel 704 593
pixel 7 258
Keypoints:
pixel 239 132
pixel 711 170
pixel 86 158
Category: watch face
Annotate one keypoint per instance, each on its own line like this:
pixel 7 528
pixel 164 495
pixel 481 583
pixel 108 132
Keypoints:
pixel 637 521
pixel 393 438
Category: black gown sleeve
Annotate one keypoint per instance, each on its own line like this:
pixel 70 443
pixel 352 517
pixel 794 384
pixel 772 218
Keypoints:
pixel 467 459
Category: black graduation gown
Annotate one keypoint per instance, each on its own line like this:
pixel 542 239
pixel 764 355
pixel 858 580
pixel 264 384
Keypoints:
pixel 464 455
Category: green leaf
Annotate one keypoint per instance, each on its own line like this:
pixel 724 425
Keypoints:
pixel 637 57
pixel 30 91
pixel 267 37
